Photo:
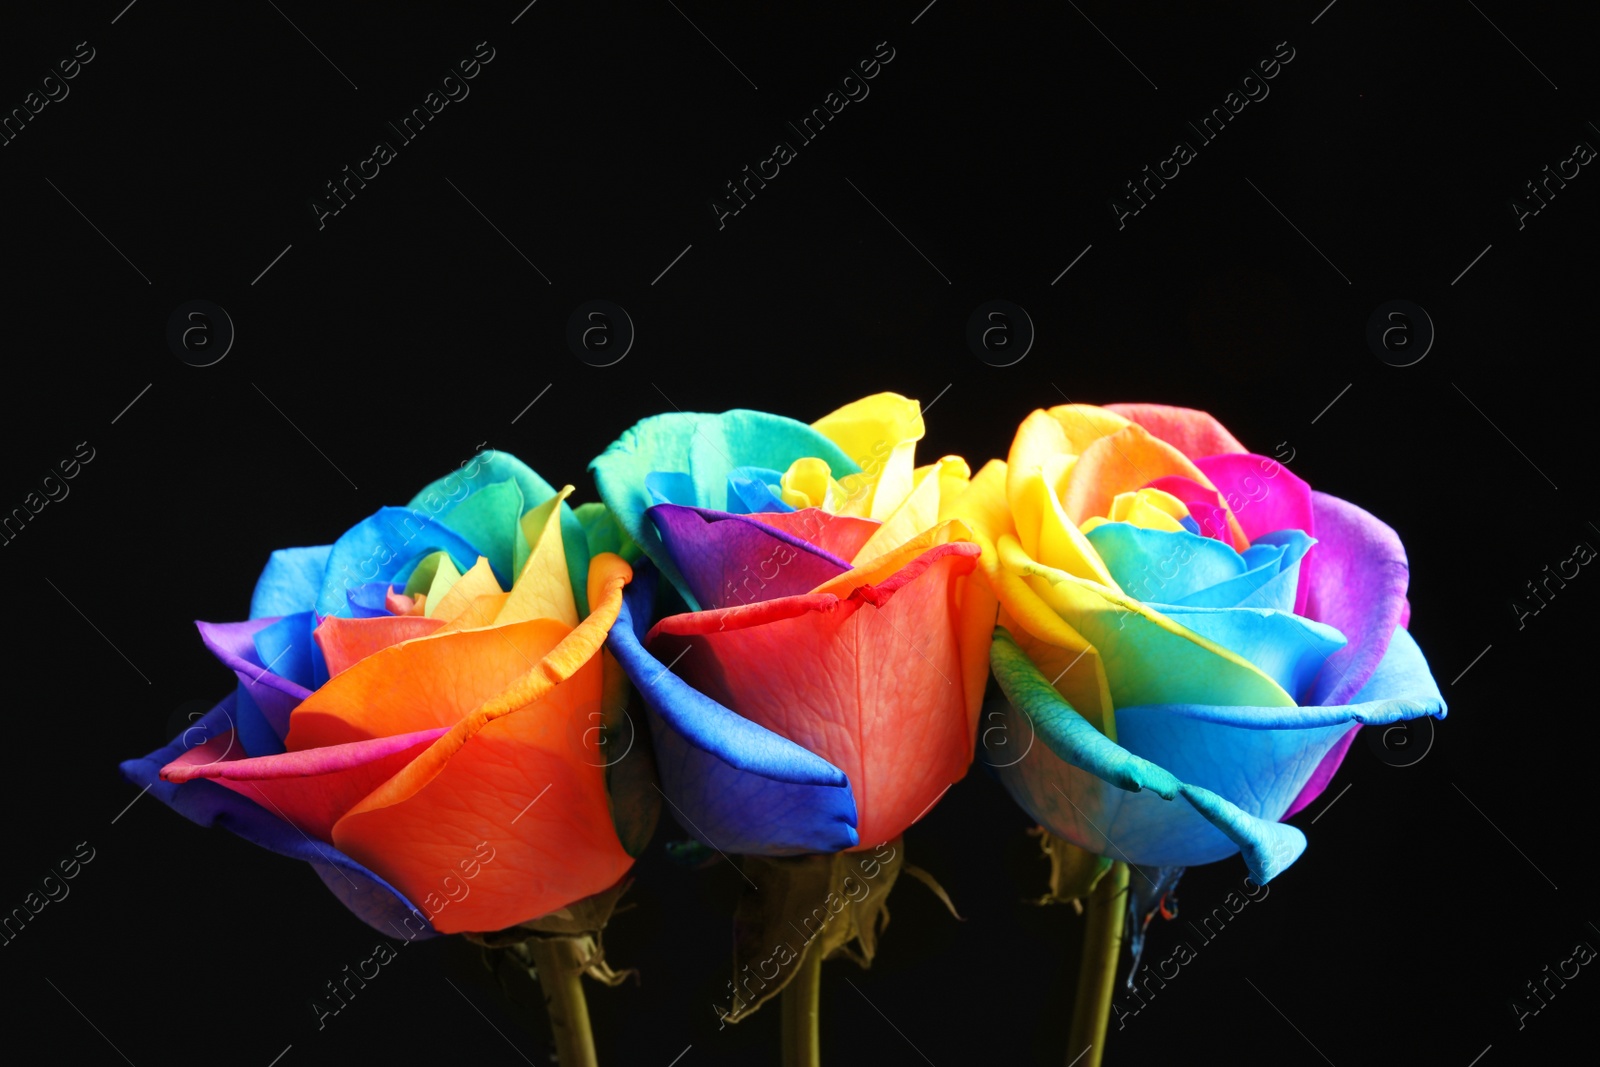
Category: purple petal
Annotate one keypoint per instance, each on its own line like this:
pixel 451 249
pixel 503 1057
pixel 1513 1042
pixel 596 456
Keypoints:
pixel 234 644
pixel 728 559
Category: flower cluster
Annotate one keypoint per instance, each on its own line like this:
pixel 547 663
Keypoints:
pixel 808 619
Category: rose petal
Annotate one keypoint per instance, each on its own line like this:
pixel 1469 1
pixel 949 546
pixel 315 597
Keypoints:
pixel 853 665
pixel 433 819
pixel 233 643
pixel 421 684
pixel 366 894
pixel 1194 433
pixel 735 559
pixel 840 536
pixel 1358 578
pixel 1077 782
pixel 733 784
pixel 345 642
pixel 311 790
pixel 707 447
pixel 289 582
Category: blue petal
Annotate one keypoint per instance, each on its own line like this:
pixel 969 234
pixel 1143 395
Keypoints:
pixel 1262 757
pixel 287 649
pixel 1180 567
pixel 670 487
pixel 383 547
pixel 1163 565
pixel 257 733
pixel 1239 767
pixel 751 491
pixel 368 601
pixel 734 785
pixel 1271 580
pixel 369 896
pixel 1268 848
pixel 1288 648
pixel 289 582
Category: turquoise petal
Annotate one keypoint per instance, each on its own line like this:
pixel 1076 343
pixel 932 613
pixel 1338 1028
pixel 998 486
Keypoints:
pixel 707 448
pixel 488 519
pixel 1069 735
pixel 1163 565
pixel 1268 847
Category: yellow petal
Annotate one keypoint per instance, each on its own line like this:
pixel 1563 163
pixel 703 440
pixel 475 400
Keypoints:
pixel 1066 430
pixel 478 581
pixel 809 483
pixel 1149 509
pixel 480 613
pixel 919 511
pixel 1046 534
pixel 954 476
pixel 543 589
pixel 880 433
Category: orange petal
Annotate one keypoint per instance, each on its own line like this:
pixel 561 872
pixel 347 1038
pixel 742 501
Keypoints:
pixel 1122 463
pixel 458 799
pixel 345 642
pixel 418 685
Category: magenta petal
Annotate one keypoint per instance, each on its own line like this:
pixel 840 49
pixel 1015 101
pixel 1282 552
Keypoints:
pixel 727 560
pixel 1262 503
pixel 1265 502
pixel 311 789
pixel 1358 575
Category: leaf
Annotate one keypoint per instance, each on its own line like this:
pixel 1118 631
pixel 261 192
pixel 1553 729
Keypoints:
pixel 1074 871
pixel 836 904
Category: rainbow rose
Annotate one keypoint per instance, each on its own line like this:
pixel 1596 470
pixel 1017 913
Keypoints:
pixel 818 688
pixel 1181 618
pixel 409 694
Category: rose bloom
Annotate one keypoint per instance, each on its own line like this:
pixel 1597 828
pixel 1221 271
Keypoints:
pixel 1181 618
pixel 814 682
pixel 416 725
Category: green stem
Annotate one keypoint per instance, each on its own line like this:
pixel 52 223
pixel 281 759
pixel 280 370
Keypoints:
pixel 1097 973
pixel 802 1046
pixel 558 962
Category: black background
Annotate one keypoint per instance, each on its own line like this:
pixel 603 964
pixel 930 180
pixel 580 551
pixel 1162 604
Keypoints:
pixel 408 330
